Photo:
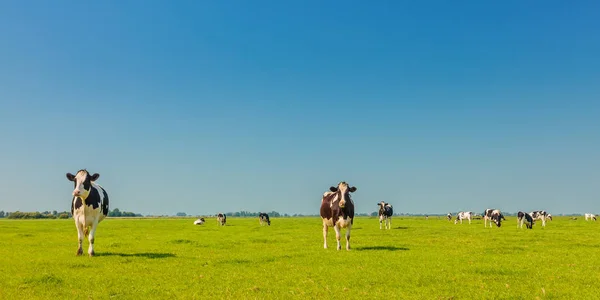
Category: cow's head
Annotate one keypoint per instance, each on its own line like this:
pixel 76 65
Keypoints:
pixel 344 191
pixel 498 219
pixel 549 217
pixel 83 183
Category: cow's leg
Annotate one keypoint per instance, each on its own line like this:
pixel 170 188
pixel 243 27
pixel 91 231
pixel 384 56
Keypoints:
pixel 79 236
pixel 469 221
pixel 91 237
pixel 543 222
pixel 348 237
pixel 325 236
pixel 390 223
pixel 338 236
pixel 380 221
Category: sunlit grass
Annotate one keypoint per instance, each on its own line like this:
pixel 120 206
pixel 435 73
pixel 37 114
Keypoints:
pixel 416 259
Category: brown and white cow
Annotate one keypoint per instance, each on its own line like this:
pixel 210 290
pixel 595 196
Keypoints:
pixel 221 219
pixel 337 211
pixel 88 207
pixel 492 215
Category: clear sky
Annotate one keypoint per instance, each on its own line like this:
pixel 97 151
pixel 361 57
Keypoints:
pixel 208 106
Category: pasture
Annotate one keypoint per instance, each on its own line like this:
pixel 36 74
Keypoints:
pixel 416 259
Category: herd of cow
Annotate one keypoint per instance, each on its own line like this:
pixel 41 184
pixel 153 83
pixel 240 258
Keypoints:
pixel 90 206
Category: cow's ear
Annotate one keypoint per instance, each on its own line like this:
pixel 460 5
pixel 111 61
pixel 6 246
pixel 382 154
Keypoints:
pixel 71 177
pixel 333 189
pixel 95 177
pixel 352 189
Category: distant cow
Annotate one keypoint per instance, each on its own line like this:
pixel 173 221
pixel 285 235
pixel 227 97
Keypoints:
pixel 88 207
pixel 386 211
pixel 221 219
pixel 199 221
pixel 449 216
pixel 540 215
pixel 590 217
pixel 463 215
pixel 523 217
pixel 263 218
pixel 492 215
pixel 549 217
pixel 337 211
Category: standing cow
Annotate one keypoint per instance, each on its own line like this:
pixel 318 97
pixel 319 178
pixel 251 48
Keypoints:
pixel 463 215
pixel 263 218
pixel 337 211
pixel 449 217
pixel 386 211
pixel 221 219
pixel 540 215
pixel 590 217
pixel 88 207
pixel 523 217
pixel 199 221
pixel 492 215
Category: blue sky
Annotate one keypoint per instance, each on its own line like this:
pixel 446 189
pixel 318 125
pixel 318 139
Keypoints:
pixel 208 106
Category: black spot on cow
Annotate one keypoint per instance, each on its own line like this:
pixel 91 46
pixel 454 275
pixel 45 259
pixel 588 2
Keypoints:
pixel 105 203
pixel 77 203
pixel 93 199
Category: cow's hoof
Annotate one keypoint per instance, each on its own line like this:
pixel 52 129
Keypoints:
pixel 79 251
pixel 92 253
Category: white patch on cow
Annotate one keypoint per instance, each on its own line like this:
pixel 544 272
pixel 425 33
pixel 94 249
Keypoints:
pixel 79 190
pixel 343 223
pixel 328 222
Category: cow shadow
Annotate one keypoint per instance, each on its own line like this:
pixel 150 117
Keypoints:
pixel 381 248
pixel 151 255
pixel 400 227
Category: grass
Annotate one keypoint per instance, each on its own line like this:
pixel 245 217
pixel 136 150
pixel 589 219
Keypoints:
pixel 416 259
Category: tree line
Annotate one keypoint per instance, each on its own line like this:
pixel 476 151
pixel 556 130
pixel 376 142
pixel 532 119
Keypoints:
pixel 59 215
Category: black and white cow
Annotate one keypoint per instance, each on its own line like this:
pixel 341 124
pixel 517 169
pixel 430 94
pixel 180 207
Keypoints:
pixel 449 216
pixel 539 215
pixel 199 221
pixel 263 218
pixel 523 217
pixel 221 219
pixel 88 207
pixel 337 211
pixel 492 215
pixel 590 217
pixel 386 211
pixel 463 215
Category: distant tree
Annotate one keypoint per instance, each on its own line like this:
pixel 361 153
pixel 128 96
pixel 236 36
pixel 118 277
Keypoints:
pixel 181 214
pixel 1 214
pixel 63 216
pixel 374 214
pixel 54 213
pixel 114 213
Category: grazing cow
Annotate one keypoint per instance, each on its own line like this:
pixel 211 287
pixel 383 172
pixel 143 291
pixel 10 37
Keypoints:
pixel 88 207
pixel 221 219
pixel 524 217
pixel 337 211
pixel 540 215
pixel 199 221
pixel 549 217
pixel 492 215
pixel 590 217
pixel 386 211
pixel 462 216
pixel 449 216
pixel 264 218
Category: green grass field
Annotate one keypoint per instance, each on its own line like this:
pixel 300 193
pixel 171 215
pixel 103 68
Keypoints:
pixel 417 259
